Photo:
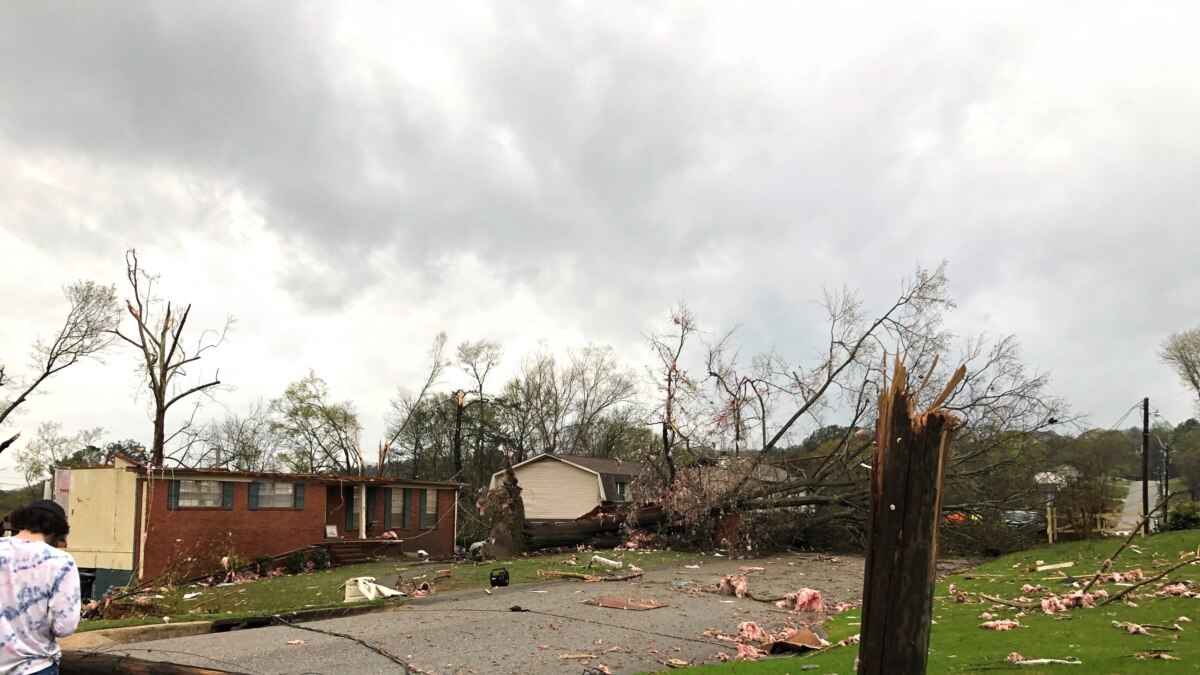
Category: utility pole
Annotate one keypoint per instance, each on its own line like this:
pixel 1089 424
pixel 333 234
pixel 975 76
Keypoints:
pixel 1146 463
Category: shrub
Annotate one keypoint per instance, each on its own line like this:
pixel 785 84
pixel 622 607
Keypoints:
pixel 320 557
pixel 295 562
pixel 264 564
pixel 1185 516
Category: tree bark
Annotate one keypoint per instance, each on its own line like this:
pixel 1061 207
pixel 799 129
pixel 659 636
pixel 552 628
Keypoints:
pixel 908 471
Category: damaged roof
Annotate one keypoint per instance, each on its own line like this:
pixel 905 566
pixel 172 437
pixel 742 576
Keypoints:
pixel 215 474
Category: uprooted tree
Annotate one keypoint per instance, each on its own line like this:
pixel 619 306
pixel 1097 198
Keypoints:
pixel 729 428
pixel 504 509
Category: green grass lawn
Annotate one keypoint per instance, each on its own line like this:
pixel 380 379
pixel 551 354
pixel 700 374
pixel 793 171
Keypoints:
pixel 324 588
pixel 958 645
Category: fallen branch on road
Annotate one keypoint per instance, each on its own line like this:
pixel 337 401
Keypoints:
pixel 555 574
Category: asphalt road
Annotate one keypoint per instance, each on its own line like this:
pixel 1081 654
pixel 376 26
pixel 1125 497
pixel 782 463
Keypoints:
pixel 1133 506
pixel 472 632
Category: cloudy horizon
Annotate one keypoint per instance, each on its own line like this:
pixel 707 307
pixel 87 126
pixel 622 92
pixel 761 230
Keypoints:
pixel 348 180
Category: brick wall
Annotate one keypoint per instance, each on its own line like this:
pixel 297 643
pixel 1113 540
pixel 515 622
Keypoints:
pixel 205 535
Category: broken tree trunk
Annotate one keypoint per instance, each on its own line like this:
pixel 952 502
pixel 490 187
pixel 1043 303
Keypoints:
pixel 507 511
pixel 908 470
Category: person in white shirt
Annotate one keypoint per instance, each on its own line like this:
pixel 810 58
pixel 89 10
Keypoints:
pixel 39 591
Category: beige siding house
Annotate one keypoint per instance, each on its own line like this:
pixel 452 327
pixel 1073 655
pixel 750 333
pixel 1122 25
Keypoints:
pixel 565 487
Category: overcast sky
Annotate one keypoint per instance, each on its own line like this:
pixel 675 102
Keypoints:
pixel 348 180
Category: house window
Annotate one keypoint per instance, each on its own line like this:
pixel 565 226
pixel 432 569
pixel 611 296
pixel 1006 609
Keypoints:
pixel 428 508
pixel 276 496
pixel 397 505
pixel 622 491
pixel 199 494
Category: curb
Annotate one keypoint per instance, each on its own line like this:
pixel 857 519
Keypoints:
pixel 93 639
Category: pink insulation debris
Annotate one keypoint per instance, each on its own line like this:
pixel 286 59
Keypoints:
pixel 1077 599
pixel 1002 624
pixel 1074 600
pixel 1177 590
pixel 852 640
pixel 733 584
pixel 748 630
pixel 1014 657
pixel 803 600
pixel 748 653
pixel 1053 604
pixel 986 616
pixel 1132 576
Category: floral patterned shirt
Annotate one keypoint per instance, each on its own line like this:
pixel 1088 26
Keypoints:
pixel 39 601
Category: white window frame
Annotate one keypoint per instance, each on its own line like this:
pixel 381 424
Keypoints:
pixel 276 495
pixel 201 494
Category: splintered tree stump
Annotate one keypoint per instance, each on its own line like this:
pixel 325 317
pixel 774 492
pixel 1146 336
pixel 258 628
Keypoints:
pixel 908 471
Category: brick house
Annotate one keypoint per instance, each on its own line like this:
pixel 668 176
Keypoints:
pixel 184 520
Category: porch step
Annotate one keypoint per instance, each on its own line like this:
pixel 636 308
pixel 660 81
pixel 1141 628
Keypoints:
pixel 347 553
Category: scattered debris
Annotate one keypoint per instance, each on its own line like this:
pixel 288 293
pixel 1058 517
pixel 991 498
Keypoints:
pixel 624 603
pixel 556 574
pixel 1179 589
pixel 580 656
pixel 749 630
pixel 365 588
pixel 852 640
pixel 733 584
pixel 676 663
pixel 296 642
pixel 1131 628
pixel 189 596
pixel 1016 658
pixel 748 653
pixel 751 569
pixel 691 567
pixel 803 600
pixel 802 640
pixel 614 564
pixel 1001 624
pixel 1155 654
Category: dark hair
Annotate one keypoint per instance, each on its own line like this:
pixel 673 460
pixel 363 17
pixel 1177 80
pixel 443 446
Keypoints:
pixel 39 521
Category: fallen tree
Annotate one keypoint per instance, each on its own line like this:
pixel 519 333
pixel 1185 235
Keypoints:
pixel 731 428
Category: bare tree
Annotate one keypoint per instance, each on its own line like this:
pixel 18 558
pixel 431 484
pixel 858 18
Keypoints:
pixel 577 408
pixel 86 332
pixel 406 404
pixel 240 442
pixel 1181 351
pixel 158 337
pixel 477 359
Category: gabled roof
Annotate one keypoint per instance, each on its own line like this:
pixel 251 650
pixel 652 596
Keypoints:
pixel 608 471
